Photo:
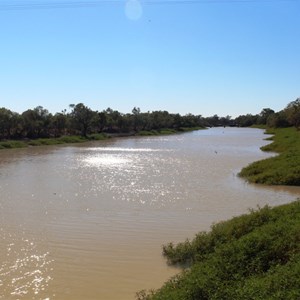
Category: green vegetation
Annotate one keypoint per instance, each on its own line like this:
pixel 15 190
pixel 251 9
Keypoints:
pixel 186 129
pixel 253 256
pixel 56 141
pixel 98 136
pixel 163 131
pixel 166 131
pixel 38 123
pixel 12 144
pixel 52 141
pixel 283 169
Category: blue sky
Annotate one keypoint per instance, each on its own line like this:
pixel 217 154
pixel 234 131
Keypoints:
pixel 207 57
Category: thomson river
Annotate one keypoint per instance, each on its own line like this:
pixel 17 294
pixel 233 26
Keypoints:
pixel 88 221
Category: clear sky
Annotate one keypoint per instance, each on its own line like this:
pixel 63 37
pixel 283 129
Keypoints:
pixel 205 57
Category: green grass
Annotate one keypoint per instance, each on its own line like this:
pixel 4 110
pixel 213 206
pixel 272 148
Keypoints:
pixel 166 131
pixel 51 141
pixel 147 132
pixel 12 144
pixel 186 129
pixel 283 169
pixel 253 256
pixel 57 141
pixel 98 136
pixel 163 131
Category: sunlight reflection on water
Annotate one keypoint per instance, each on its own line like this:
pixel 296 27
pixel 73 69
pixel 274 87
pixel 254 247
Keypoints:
pixel 106 160
pixel 119 149
pixel 130 174
pixel 25 270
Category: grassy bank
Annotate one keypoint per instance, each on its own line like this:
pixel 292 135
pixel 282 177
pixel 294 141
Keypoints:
pixel 166 131
pixel 253 256
pixel 10 144
pixel 283 169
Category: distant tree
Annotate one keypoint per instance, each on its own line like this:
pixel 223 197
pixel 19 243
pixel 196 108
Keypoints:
pixel 264 115
pixel 147 121
pixel 59 124
pixel 190 120
pixel 82 118
pixel 213 121
pixel 277 120
pixel 246 120
pixel 161 119
pixel 114 120
pixel 177 121
pixel 137 121
pixel 36 122
pixel 102 120
pixel 8 123
pixel 226 121
pixel 292 112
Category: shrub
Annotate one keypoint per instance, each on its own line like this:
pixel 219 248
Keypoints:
pixel 253 256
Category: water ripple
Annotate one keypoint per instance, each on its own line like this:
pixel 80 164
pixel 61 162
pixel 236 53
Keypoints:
pixel 25 271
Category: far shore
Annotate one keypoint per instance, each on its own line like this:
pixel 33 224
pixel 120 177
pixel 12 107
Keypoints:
pixel 72 139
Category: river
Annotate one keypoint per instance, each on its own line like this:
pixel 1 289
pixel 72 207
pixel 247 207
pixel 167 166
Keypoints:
pixel 88 221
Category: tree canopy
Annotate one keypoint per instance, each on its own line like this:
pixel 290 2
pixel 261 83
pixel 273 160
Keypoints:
pixel 82 120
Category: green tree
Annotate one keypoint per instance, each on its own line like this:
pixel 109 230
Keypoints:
pixel 137 121
pixel 246 120
pixel 36 122
pixel 264 115
pixel 59 124
pixel 277 120
pixel 7 123
pixel 292 112
pixel 102 120
pixel 81 116
pixel 214 120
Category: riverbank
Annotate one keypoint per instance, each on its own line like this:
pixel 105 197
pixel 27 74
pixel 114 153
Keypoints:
pixel 283 169
pixel 253 256
pixel 11 144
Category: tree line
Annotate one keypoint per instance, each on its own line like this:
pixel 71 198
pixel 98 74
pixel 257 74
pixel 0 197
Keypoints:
pixel 81 120
pixel 288 117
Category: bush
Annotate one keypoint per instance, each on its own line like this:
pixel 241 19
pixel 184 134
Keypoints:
pixel 253 256
pixel 283 169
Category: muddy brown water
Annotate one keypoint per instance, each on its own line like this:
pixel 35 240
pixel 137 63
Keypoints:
pixel 88 221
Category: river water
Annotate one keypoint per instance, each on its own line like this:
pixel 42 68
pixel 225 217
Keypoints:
pixel 88 221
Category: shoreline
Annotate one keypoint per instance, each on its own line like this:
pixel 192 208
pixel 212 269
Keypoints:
pixel 282 169
pixel 75 139
pixel 254 255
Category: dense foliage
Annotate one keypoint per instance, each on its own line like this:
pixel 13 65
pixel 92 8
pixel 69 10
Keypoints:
pixel 283 169
pixel 289 116
pixel 253 256
pixel 81 120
